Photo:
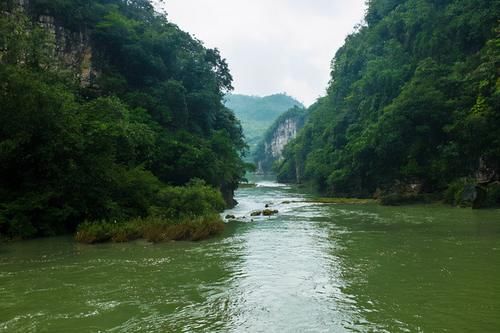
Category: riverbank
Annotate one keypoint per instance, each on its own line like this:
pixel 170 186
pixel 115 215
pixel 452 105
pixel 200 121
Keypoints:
pixel 463 193
pixel 409 200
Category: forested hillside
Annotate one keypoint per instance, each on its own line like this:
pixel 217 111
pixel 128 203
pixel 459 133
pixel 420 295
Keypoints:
pixel 413 102
pixel 105 106
pixel 257 114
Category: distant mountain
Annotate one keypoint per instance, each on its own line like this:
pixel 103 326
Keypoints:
pixel 257 114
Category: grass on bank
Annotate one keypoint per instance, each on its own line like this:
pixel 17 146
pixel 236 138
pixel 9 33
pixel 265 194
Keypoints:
pixel 153 229
pixel 174 213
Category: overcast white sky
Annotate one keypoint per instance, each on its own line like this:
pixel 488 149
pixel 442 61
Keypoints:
pixel 272 45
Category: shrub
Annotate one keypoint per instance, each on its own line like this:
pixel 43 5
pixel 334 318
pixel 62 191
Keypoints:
pixel 195 199
pixel 454 192
pixel 94 232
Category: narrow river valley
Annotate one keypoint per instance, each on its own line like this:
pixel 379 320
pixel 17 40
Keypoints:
pixel 310 268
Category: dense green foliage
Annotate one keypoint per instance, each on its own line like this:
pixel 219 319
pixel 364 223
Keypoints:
pixel 263 157
pixel 152 118
pixel 258 113
pixel 413 99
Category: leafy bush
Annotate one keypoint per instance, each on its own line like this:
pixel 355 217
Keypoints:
pixel 94 232
pixel 454 194
pixel 194 199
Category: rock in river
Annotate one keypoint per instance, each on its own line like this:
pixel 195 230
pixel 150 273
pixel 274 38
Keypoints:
pixel 269 212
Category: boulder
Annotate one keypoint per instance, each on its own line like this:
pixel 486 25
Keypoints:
pixel 269 212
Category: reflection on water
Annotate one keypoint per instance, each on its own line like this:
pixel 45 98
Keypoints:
pixel 290 278
pixel 311 268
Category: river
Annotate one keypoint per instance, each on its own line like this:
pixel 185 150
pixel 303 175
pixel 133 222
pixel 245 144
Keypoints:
pixel 311 268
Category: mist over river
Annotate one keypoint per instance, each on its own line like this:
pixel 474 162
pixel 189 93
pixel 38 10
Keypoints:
pixel 310 268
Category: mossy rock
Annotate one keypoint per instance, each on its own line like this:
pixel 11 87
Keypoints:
pixel 269 212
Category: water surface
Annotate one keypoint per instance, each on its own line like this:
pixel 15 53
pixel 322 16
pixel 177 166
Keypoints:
pixel 311 268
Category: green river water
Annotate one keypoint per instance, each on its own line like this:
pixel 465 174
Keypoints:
pixel 312 268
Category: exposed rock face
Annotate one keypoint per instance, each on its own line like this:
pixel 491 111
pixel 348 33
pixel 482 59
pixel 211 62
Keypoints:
pixel 283 131
pixel 73 48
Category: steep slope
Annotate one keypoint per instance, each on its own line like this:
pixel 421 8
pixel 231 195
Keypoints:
pixel 105 106
pixel 413 103
pixel 281 132
pixel 257 114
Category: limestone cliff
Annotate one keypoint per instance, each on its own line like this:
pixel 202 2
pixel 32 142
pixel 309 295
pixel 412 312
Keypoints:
pixel 257 114
pixel 73 48
pixel 284 130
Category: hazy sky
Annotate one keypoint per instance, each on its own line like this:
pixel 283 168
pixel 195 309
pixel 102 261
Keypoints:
pixel 272 45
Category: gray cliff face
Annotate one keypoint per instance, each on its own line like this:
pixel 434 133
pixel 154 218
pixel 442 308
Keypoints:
pixel 73 48
pixel 284 130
